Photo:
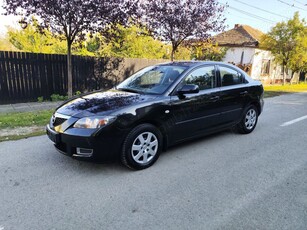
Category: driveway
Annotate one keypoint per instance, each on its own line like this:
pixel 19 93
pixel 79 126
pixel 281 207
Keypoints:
pixel 223 181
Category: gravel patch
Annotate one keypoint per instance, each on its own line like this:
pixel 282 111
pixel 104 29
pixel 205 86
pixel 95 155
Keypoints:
pixel 20 130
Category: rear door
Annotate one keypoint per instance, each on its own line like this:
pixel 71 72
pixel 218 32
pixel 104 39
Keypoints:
pixel 233 94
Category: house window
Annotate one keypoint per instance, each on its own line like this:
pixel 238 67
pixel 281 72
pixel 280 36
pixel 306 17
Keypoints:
pixel 265 67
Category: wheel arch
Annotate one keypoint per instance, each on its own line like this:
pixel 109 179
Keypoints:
pixel 160 127
pixel 257 105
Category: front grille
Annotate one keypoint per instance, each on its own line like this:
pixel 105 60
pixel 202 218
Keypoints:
pixel 58 121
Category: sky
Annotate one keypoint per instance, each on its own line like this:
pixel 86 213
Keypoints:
pixel 260 14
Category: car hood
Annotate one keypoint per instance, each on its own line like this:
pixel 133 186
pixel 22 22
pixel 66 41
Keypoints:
pixel 101 103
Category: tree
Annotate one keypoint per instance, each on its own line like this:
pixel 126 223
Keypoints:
pixel 128 42
pixel 5 45
pixel 32 39
pixel 175 21
pixel 287 42
pixel 72 18
pixel 208 51
pixel 182 53
pixel 298 62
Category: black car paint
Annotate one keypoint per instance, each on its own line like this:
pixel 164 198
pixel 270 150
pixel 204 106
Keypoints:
pixel 178 118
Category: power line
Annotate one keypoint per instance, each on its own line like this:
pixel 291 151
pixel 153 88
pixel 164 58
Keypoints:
pixel 253 15
pixel 303 4
pixel 261 9
pixel 286 3
pixel 249 14
pixel 236 15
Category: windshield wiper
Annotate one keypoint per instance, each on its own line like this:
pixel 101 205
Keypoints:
pixel 129 90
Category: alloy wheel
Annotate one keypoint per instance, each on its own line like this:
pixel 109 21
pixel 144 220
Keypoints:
pixel 250 119
pixel 144 147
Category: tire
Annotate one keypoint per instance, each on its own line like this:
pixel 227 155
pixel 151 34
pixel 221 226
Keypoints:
pixel 142 147
pixel 248 121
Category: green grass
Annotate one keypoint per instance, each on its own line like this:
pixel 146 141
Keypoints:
pixel 22 119
pixel 276 90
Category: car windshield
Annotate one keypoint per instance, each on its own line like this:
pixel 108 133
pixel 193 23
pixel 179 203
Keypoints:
pixel 152 80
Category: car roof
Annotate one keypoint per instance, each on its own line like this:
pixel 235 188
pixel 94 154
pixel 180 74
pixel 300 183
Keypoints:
pixel 191 63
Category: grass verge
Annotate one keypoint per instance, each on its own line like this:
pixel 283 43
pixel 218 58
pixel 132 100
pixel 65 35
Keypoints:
pixel 14 121
pixel 277 90
pixel 22 119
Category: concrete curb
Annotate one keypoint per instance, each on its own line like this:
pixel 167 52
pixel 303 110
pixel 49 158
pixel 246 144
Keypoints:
pixel 28 107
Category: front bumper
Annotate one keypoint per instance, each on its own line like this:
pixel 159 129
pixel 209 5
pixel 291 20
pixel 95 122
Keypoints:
pixel 84 144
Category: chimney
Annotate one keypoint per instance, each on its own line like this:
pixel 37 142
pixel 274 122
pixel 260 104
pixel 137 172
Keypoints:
pixel 237 26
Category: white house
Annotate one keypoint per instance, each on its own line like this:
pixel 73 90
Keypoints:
pixel 243 50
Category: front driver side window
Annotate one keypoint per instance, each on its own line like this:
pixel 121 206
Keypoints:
pixel 204 77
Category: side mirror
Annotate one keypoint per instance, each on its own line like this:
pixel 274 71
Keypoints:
pixel 188 89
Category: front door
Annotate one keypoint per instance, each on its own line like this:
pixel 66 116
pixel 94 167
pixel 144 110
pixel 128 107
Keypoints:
pixel 197 112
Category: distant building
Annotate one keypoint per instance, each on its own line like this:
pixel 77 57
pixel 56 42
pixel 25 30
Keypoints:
pixel 243 50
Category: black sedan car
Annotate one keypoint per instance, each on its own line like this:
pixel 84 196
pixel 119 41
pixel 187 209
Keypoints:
pixel 157 107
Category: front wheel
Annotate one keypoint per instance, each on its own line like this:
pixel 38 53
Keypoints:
pixel 142 147
pixel 249 120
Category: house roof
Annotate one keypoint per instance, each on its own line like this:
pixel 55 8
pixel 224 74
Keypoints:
pixel 240 35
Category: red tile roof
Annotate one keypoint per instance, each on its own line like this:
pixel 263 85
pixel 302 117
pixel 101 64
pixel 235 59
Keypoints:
pixel 240 35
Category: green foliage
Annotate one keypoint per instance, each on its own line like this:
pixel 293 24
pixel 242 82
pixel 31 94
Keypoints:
pixel 36 40
pixel 40 99
pixel 128 42
pixel 182 53
pixel 78 93
pixel 287 42
pixel 123 42
pixel 57 97
pixel 298 62
pixel 208 51
pixel 5 45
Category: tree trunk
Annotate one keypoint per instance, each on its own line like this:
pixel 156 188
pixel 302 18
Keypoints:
pixel 172 54
pixel 69 69
pixel 284 75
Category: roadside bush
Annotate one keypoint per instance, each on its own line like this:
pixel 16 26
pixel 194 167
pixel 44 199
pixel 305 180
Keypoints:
pixel 57 97
pixel 78 93
pixel 40 99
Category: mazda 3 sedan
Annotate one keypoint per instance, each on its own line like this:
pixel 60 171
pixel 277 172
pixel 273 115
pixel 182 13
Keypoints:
pixel 156 107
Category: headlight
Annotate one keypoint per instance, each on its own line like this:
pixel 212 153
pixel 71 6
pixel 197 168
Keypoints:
pixel 93 122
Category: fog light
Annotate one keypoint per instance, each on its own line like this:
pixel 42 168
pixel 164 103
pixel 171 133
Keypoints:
pixel 82 152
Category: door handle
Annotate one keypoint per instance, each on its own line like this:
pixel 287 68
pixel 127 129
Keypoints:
pixel 215 98
pixel 244 93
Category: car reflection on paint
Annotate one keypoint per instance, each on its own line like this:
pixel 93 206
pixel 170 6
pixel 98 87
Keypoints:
pixel 157 107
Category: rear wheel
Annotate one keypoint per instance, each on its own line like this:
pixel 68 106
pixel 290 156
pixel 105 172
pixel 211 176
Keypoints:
pixel 142 147
pixel 249 120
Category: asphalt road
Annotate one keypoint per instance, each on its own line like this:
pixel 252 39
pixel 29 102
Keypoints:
pixel 224 181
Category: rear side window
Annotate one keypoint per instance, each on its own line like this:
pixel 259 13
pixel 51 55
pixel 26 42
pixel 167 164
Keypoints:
pixel 230 76
pixel 204 77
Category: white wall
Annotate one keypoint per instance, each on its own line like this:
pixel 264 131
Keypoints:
pixel 275 69
pixel 255 57
pixel 257 63
pixel 234 54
